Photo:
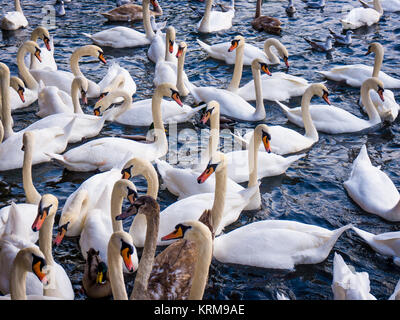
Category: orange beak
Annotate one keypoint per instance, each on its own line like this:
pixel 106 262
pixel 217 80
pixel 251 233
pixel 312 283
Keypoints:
pixel 380 92
pixel 126 256
pixel 233 46
pixel 286 61
pixel 325 97
pixel 61 233
pixel 84 97
pixel 97 111
pixel 126 175
pixel 179 53
pixel 265 69
pixel 101 58
pixel 267 144
pixel 206 173
pixel 176 234
pixel 171 46
pixel 47 43
pixel 37 224
pixel 37 55
pixel 21 94
pixel 177 98
pixel 37 266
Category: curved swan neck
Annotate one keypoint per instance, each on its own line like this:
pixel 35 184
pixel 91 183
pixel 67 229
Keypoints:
pixel 206 17
pixel 221 178
pixel 272 57
pixel 125 105
pixel 76 55
pixel 310 130
pixel 116 206
pixel 75 97
pixel 170 35
pixel 238 69
pixel 260 109
pixel 147 258
pixel 115 273
pixel 31 194
pixel 5 103
pixel 1 131
pixel 204 245
pixel 152 183
pixel 29 80
pixel 146 20
pixel 18 280
pixel 213 139
pixel 372 112
pixel 378 62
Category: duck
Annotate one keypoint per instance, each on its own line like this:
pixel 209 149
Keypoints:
pixel 51 138
pixel 95 280
pixel 342 39
pixel 100 221
pixel 325 47
pixel 387 5
pixel 131 12
pixel 170 110
pixel 372 189
pixel 288 141
pixel 386 243
pixel 59 284
pixel 106 153
pixel 214 21
pixel 220 51
pixel 46 52
pixel 335 120
pixel 276 244
pixel 269 164
pixel 63 79
pixel 274 86
pixel 230 204
pixel 14 20
pixel 153 280
pixel 28 261
pixel 347 284
pixel 265 23
pixel 359 17
pixel 124 37
pixel 33 197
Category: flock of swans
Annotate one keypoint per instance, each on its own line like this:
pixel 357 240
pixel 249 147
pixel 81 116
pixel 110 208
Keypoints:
pixel 212 194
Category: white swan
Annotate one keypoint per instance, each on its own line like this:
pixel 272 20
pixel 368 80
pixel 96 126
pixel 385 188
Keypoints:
pixel 334 120
pixel 14 20
pixel 106 153
pixel 359 17
pixel 100 222
pixel 140 112
pixel 220 51
pixel 288 141
pixel 387 243
pixel 20 96
pixel 355 74
pixel 276 86
pixel 347 284
pixel 46 53
pixel 123 37
pixel 59 285
pixel 372 189
pixel 213 21
pixel 276 244
pixel 63 79
pixel 269 164
pixel 229 204
pixel 158 47
pixel 387 5
pixel 28 261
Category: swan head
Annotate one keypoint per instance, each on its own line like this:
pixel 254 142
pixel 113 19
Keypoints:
pixel 135 167
pixel 33 260
pixel 156 6
pixel 104 103
pixel 217 163
pixel 262 131
pixel 181 49
pixel 42 33
pixel 145 205
pixel 280 48
pixel 28 140
pixel 33 48
pixel 47 207
pixel 237 42
pixel 18 85
pixel 122 242
pixel 375 47
pixel 189 230
pixel 376 84
pixel 90 50
pixel 319 90
pixel 211 108
pixel 126 189
pixel 259 65
pixel 170 38
pixel 169 90
pixel 82 85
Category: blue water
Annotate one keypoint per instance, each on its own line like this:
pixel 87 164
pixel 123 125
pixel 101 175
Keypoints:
pixel 311 191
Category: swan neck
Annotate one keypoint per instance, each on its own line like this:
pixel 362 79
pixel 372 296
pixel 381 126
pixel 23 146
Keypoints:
pixel 159 130
pixel 221 178
pixel 5 102
pixel 213 139
pixel 75 97
pixel 1 131
pixel 152 183
pixel 29 80
pixel 238 70
pixel 115 272
pixel 18 6
pixel 146 20
pixel 18 281
pixel 206 17
pixel 202 267
pixel 147 258
pixel 309 126
pixel 45 239
pixel 183 91
pixel 125 106
pixel 377 63
pixel 31 194
pixel 116 208
pixel 272 57
pixel 378 6
pixel 258 9
pixel 252 153
pixel 260 109
pixel 367 101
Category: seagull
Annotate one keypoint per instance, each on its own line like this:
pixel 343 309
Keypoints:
pixel 322 47
pixel 341 39
pixel 290 9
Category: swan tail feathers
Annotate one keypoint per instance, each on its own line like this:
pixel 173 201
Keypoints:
pixel 284 108
pixel 240 139
pixel 204 46
pixel 87 35
pixel 362 156
pixel 367 236
pixel 294 158
pixel 162 167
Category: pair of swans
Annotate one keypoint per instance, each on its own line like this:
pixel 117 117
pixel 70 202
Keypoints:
pixel 214 21
pixel 14 239
pixel 107 153
pixel 14 20
pixel 372 189
pixel 354 75
pixel 287 141
pixel 359 17
pixel 334 120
